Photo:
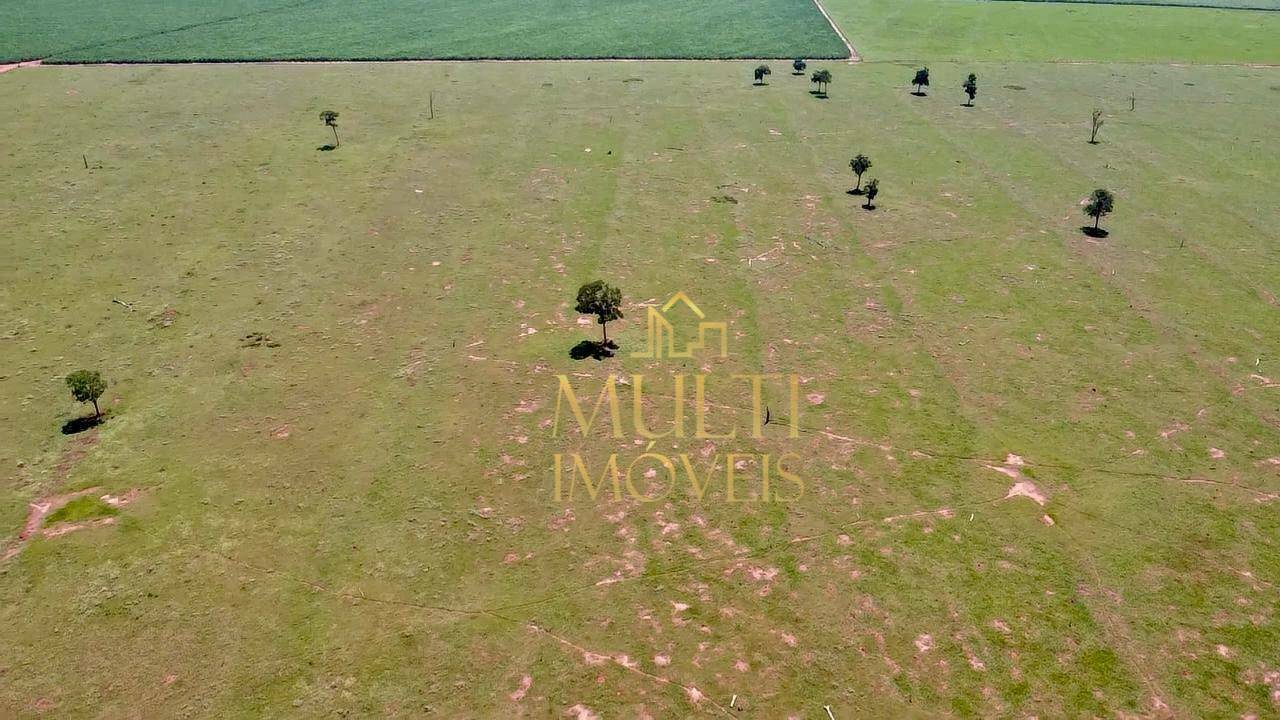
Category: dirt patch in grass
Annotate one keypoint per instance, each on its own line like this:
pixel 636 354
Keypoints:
pixel 85 507
pixel 36 515
pixel 1022 486
pixel 73 455
pixel 57 515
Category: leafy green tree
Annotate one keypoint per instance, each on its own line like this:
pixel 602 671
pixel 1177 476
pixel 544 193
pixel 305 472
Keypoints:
pixel 87 386
pixel 921 80
pixel 859 165
pixel 1101 202
pixel 971 88
pixel 602 300
pixel 330 119
pixel 873 189
pixel 822 78
pixel 761 71
pixel 798 65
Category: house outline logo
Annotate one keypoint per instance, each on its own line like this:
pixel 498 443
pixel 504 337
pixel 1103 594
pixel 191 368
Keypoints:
pixel 662 336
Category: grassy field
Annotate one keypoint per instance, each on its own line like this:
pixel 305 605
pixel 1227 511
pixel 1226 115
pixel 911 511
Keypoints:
pixel 1226 4
pixel 356 516
pixel 962 30
pixel 164 30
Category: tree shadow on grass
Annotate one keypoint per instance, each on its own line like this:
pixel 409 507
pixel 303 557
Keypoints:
pixel 854 191
pixel 327 148
pixel 818 94
pixel 868 207
pixel 592 349
pixel 80 424
pixel 1094 232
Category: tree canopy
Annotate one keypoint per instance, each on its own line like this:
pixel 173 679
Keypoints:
pixel 602 300
pixel 1100 203
pixel 971 87
pixel 859 165
pixel 87 386
pixel 330 119
pixel 822 78
pixel 921 80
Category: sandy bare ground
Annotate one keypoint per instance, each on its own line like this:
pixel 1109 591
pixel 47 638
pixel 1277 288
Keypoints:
pixel 36 514
pixel 15 66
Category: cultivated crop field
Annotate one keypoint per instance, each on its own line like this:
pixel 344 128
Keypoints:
pixel 164 30
pixel 1041 470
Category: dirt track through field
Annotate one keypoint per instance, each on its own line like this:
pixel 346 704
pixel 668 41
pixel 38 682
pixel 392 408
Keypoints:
pixel 853 54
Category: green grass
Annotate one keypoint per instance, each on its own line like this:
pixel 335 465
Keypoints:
pixel 965 319
pixel 82 508
pixel 167 30
pixel 917 31
pixel 1217 4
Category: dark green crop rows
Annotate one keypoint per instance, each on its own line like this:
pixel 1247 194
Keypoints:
pixel 167 30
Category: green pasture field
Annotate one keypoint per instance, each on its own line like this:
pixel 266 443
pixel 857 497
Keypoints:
pixel 1223 4
pixel 165 30
pixel 333 381
pixel 918 31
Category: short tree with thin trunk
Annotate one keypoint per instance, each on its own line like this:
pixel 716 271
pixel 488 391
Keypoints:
pixel 873 189
pixel 798 65
pixel 1096 123
pixel 87 386
pixel 921 80
pixel 971 88
pixel 1101 202
pixel 761 72
pixel 822 78
pixel 602 300
pixel 859 165
pixel 330 119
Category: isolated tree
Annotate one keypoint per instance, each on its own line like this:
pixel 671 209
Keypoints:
pixel 859 165
pixel 1101 202
pixel 602 300
pixel 330 119
pixel 822 78
pixel 798 65
pixel 921 80
pixel 87 386
pixel 971 88
pixel 1097 125
pixel 873 189
pixel 761 71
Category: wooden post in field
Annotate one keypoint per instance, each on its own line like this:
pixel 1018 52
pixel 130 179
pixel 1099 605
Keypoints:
pixel 86 161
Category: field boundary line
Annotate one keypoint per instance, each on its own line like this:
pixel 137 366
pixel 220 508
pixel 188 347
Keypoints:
pixel 853 54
